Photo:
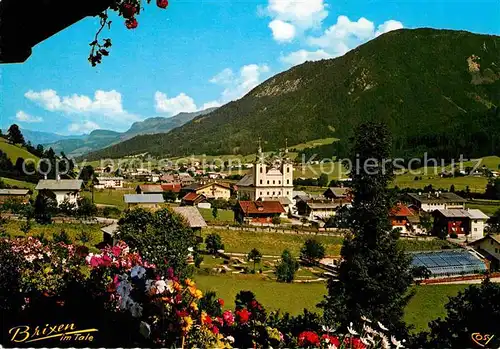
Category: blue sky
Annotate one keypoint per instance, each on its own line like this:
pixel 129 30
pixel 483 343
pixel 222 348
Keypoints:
pixel 202 53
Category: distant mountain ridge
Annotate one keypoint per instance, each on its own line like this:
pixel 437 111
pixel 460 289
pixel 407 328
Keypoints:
pixel 437 90
pixel 98 139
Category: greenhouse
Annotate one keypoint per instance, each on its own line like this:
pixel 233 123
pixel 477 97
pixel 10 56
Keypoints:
pixel 449 263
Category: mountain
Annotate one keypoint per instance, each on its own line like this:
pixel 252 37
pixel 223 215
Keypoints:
pixel 438 91
pixel 163 125
pixel 99 139
pixel 39 137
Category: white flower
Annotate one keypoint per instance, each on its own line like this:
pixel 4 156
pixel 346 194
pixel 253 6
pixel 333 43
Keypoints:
pixel 396 342
pixel 385 342
pixel 382 326
pixel 327 329
pixel 230 339
pixel 89 257
pixel 370 339
pixel 367 329
pixel 331 346
pixel 364 341
pixel 351 330
pixel 160 286
pixel 364 318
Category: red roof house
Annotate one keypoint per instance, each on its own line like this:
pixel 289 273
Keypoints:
pixel 173 187
pixel 258 211
pixel 193 199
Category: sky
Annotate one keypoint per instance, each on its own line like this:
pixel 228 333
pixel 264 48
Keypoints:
pixel 202 53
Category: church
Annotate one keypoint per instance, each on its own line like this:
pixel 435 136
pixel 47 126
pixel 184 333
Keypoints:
pixel 271 179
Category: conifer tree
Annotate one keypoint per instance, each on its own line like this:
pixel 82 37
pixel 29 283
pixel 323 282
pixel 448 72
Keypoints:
pixel 374 275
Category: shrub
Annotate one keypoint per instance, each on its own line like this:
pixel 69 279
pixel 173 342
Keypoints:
pixel 213 243
pixel 62 236
pixel 312 251
pixel 453 236
pixel 287 267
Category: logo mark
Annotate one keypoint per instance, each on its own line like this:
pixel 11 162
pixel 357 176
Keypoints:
pixel 481 339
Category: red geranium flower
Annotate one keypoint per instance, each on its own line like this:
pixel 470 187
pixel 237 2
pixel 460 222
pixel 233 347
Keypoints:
pixel 162 3
pixel 221 302
pixel 331 340
pixel 243 316
pixel 215 330
pixel 228 317
pixel 116 250
pixel 354 343
pixel 131 23
pixel 128 10
pixel 309 338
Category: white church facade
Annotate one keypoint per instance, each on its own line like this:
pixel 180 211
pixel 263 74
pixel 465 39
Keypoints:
pixel 270 179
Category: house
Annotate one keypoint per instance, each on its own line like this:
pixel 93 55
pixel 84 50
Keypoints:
pixel 436 201
pixel 149 189
pixel 193 199
pixel 20 195
pixel 318 208
pixel 109 182
pixel 173 187
pixel 468 222
pixel 185 179
pixel 147 201
pixel 338 194
pixel 61 189
pixel 193 217
pixel 261 212
pixel 489 247
pixel 404 218
pixel 284 201
pixel 270 178
pixel 211 190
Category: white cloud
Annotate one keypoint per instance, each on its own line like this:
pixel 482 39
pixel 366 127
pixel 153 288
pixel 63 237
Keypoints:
pixel 338 39
pixel 282 31
pixel 236 85
pixel 301 56
pixel 175 105
pixel 212 104
pixel 301 13
pixel 388 26
pixel 84 127
pixel 104 108
pixel 25 117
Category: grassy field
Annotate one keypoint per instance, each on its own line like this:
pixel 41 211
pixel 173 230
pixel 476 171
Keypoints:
pixel 475 184
pixel 273 244
pixel 109 197
pixel 427 304
pixel 74 231
pixel 19 184
pixel 273 295
pixel 223 216
pixel 14 152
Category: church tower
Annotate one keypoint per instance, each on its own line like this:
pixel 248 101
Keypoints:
pixel 260 168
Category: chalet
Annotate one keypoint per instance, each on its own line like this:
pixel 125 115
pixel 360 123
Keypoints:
pixel 149 189
pixel 109 183
pixel 211 190
pixel 436 201
pixel 284 201
pixel 20 195
pixel 193 199
pixel 338 194
pixel 468 223
pixel 489 247
pixel 261 212
pixel 404 218
pixel 147 201
pixel 318 208
pixel 61 189
pixel 173 187
pixel 193 217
